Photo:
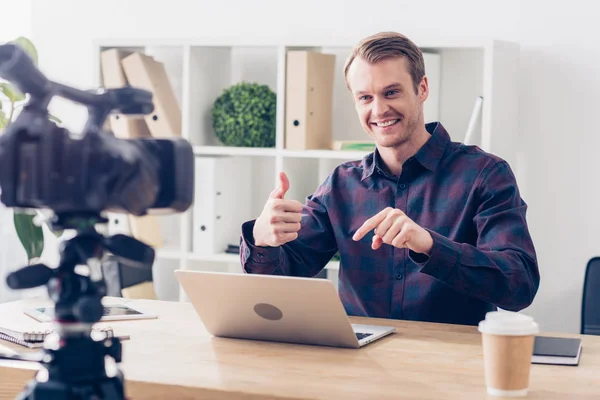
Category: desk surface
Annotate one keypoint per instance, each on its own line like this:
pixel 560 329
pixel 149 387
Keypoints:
pixel 174 357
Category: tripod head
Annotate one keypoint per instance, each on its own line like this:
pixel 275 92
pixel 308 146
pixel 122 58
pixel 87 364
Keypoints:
pixel 79 177
pixel 77 295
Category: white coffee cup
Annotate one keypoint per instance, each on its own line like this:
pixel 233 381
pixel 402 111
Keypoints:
pixel 507 339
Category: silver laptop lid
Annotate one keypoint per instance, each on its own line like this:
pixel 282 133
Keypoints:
pixel 268 307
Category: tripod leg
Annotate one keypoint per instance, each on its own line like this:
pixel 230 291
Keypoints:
pixel 108 389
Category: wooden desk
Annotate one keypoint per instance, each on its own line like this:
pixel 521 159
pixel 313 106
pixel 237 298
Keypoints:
pixel 174 357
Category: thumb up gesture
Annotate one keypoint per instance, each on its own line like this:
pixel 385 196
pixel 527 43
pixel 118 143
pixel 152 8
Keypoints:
pixel 279 221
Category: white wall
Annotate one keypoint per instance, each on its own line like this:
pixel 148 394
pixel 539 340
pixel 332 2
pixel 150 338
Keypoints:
pixel 16 19
pixel 64 29
pixel 560 98
pixel 559 61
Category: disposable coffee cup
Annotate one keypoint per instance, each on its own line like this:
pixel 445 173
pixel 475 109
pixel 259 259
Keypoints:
pixel 507 339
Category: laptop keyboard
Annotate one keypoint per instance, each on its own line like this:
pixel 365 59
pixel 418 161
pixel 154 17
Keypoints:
pixel 360 336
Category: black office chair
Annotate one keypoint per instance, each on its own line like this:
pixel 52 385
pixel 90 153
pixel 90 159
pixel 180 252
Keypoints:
pixel 119 276
pixel 590 308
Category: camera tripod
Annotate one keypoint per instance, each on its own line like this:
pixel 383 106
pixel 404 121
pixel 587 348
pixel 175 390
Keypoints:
pixel 77 366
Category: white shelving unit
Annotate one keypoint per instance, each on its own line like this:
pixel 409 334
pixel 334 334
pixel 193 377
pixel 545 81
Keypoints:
pixel 200 69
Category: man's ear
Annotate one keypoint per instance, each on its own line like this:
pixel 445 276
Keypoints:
pixel 423 92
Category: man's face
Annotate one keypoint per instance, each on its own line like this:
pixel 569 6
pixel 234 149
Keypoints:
pixel 388 108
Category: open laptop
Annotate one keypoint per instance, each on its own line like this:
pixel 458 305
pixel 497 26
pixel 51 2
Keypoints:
pixel 274 308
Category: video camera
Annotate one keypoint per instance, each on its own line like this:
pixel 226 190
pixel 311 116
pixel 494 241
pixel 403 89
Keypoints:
pixel 79 177
pixel 45 166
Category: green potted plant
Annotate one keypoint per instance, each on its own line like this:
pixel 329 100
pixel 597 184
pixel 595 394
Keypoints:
pixel 30 234
pixel 244 115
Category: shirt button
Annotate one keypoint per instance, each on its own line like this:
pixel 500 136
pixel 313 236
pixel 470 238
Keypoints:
pixel 402 186
pixel 399 275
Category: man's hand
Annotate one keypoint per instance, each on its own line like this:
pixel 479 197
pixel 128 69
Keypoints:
pixel 394 227
pixel 279 221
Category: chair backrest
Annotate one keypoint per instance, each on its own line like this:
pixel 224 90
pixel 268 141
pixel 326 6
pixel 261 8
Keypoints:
pixel 131 276
pixel 590 308
pixel 118 276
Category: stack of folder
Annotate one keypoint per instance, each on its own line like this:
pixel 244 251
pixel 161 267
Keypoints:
pixel 120 68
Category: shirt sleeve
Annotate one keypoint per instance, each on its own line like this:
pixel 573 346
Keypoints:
pixel 501 268
pixel 307 255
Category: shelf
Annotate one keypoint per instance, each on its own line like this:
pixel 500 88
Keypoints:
pixel 223 257
pixel 331 154
pixel 168 254
pixel 234 151
pixel 200 68
pixel 177 255
pixel 333 265
pixel 263 152
pixel 210 40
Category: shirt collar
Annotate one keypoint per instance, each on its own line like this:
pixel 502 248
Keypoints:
pixel 433 150
pixel 429 156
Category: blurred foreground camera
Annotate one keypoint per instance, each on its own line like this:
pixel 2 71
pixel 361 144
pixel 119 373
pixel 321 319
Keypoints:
pixel 79 177
pixel 45 166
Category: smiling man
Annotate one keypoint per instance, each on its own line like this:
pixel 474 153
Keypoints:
pixel 427 229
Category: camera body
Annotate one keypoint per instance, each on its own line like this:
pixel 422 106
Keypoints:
pixel 50 168
pixel 45 166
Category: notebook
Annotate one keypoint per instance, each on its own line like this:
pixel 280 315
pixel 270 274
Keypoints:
pixel 556 351
pixel 35 339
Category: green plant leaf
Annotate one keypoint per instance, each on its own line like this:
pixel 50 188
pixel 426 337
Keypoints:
pixel 55 119
pixel 30 235
pixel 11 92
pixel 28 46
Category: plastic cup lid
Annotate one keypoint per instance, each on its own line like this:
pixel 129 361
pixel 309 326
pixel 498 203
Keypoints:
pixel 508 323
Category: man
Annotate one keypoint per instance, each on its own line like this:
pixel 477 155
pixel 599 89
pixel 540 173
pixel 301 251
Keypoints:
pixel 427 229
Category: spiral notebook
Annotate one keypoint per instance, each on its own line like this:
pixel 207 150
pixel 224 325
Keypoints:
pixel 35 339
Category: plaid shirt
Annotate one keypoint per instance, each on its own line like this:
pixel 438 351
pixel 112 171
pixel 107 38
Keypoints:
pixel 482 257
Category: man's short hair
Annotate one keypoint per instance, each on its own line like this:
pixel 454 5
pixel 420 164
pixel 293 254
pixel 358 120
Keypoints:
pixel 385 45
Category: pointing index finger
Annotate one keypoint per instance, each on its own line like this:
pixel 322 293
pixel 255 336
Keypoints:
pixel 369 225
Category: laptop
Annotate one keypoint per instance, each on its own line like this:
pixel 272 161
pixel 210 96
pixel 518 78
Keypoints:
pixel 274 308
